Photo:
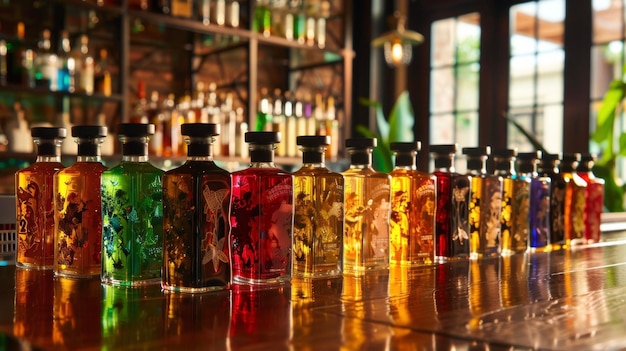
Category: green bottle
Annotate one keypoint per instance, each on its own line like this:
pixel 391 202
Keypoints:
pixel 132 213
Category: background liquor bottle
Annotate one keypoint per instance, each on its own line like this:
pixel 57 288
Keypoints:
pixel 66 64
pixel 102 75
pixel 575 190
pixel 46 65
pixel 34 200
pixel 291 130
pixel 367 210
pixel 84 70
pixel 262 21
pixel 20 60
pixel 78 207
pixel 132 217
pixel 261 216
pixel 17 131
pixel 412 223
pixel 278 122
pixel 318 212
pixel 548 167
pixel 453 196
pixel 485 205
pixel 514 220
pixel 4 71
pixel 594 198
pixel 196 199
pixel 539 206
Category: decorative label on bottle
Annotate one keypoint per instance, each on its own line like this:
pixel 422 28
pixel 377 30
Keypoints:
pixel 548 168
pixel 539 201
pixel 261 216
pixel 195 218
pixel 594 199
pixel 132 213
pixel 318 208
pixel 575 190
pixel 34 197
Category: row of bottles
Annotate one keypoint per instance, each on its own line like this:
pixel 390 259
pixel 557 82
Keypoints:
pixel 303 21
pixel 291 115
pixel 220 12
pixel 68 68
pixel 198 227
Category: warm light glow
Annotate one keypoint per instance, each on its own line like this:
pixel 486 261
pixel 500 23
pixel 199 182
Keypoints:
pixel 396 52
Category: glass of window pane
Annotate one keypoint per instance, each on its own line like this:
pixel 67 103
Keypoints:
pixel 442 85
pixel 607 21
pixel 523 28
pixel 550 77
pixel 467 91
pixel 466 125
pixel 468 38
pixel 550 16
pixel 441 131
pixel 521 83
pixel 443 41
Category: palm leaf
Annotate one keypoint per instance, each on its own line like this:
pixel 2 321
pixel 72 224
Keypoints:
pixel 535 143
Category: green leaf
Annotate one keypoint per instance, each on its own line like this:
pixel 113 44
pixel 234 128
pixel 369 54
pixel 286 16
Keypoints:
pixel 366 132
pixel 382 158
pixel 381 123
pixel 606 115
pixel 536 143
pixel 401 120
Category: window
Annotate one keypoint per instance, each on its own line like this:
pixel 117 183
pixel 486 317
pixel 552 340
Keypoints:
pixel 454 90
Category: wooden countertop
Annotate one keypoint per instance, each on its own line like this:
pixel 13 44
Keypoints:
pixel 572 300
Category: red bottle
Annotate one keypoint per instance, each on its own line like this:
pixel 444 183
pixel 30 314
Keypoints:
pixel 261 216
pixel 594 198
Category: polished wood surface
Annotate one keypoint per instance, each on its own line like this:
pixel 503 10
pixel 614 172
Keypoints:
pixel 568 299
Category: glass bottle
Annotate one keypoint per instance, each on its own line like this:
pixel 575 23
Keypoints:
pixel 575 190
pixel 46 70
pixel 485 205
pixel 16 53
pixel 262 18
pixel 318 212
pixel 102 75
pixel 413 199
pixel 132 213
pixel 279 123
pixel 367 209
pixel 261 216
pixel 539 206
pixel 514 223
pixel 196 197
pixel 78 207
pixel 548 167
pixel 84 70
pixel 66 64
pixel 453 195
pixel 34 199
pixel 594 198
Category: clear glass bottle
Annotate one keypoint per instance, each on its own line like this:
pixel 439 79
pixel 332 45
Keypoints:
pixel 46 66
pixel 594 198
pixel 78 207
pixel 132 213
pixel 539 206
pixel 367 208
pixel 196 197
pixel 84 70
pixel 453 197
pixel 485 205
pixel 66 64
pixel 261 218
pixel 575 190
pixel 413 200
pixel 548 167
pixel 34 200
pixel 514 221
pixel 318 212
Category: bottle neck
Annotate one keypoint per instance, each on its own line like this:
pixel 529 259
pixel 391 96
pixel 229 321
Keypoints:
pixel 49 150
pixel 444 163
pixel 90 158
pixel 504 165
pixel 48 158
pixel 360 157
pixel 585 167
pixel 527 167
pixel 477 165
pixel 568 167
pixel 406 160
pixel 135 148
pixel 549 167
pixel 262 155
pixel 134 158
pixel 313 156
pixel 88 148
pixel 198 151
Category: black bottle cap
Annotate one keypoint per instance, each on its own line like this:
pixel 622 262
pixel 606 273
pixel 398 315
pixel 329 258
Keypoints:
pixel 405 146
pixel 313 140
pixel 361 143
pixel 48 133
pixel 477 151
pixel 89 131
pixel 263 137
pixel 550 157
pixel 504 153
pixel 136 130
pixel 529 156
pixel 573 157
pixel 200 130
pixel 443 149
pixel 588 157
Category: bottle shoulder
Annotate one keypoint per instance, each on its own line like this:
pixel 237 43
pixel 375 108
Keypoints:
pixel 198 168
pixel 42 167
pixel 130 168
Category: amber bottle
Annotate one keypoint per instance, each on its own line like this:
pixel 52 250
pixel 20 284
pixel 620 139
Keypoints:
pixel 78 207
pixel 575 191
